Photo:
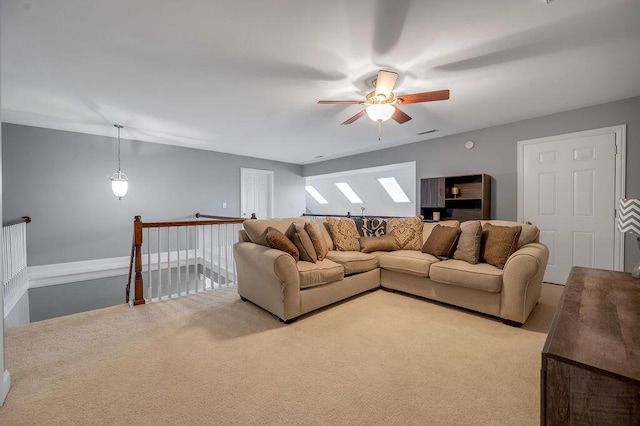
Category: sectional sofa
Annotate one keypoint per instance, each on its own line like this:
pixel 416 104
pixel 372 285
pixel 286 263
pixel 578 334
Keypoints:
pixel 274 280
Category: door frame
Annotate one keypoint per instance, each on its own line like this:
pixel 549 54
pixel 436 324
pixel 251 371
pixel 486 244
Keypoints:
pixel 620 133
pixel 270 191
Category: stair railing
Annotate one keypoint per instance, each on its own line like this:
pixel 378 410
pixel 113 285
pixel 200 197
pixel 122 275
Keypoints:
pixel 15 280
pixel 172 259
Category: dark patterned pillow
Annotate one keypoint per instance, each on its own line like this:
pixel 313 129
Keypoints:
pixel 371 227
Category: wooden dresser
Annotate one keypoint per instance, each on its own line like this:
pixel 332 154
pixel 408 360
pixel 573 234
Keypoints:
pixel 591 358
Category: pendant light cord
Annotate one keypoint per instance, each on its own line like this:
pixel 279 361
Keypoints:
pixel 119 127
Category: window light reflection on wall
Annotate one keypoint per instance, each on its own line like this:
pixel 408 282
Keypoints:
pixel 348 192
pixel 315 194
pixel 390 184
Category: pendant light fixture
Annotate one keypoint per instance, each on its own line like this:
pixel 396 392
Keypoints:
pixel 119 181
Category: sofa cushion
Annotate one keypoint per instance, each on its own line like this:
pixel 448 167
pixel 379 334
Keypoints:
pixel 408 262
pixel 371 227
pixel 317 239
pixel 354 261
pixel 298 235
pixel 322 272
pixel 277 240
pixel 469 242
pixel 407 232
pixel 382 243
pixel 442 241
pixel 428 227
pixel 498 243
pixel 481 276
pixel 530 233
pixel 257 228
pixel 344 234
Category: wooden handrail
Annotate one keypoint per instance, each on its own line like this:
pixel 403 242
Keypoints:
pixel 25 219
pixel 208 216
pixel 190 223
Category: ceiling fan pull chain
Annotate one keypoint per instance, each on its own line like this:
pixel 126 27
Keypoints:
pixel 379 130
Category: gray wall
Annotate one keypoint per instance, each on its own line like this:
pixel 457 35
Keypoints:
pixel 495 153
pixel 66 299
pixel 60 180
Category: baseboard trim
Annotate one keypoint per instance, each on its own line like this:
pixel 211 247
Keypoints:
pixel 5 384
pixel 86 270
pixel 69 272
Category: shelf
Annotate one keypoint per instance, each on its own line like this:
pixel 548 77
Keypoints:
pixel 473 201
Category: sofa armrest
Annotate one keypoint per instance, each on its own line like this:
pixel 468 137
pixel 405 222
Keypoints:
pixel 269 278
pixel 522 281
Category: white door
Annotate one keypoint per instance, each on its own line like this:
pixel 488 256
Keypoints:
pixel 256 189
pixel 568 187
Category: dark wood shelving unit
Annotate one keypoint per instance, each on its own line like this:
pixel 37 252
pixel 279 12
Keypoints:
pixel 472 202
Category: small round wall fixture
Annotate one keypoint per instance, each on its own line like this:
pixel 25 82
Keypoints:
pixel 469 144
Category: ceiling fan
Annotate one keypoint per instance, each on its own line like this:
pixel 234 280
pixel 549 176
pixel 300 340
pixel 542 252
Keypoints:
pixel 382 104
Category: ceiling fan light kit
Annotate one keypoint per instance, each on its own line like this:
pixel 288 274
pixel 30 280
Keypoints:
pixel 380 112
pixel 381 104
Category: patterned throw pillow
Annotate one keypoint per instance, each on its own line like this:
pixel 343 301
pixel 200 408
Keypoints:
pixel 302 241
pixel 442 241
pixel 469 242
pixel 407 232
pixel 344 234
pixel 371 227
pixel 498 243
pixel 277 240
pixel 317 239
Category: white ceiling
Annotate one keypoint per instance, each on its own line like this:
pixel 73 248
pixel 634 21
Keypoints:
pixel 244 77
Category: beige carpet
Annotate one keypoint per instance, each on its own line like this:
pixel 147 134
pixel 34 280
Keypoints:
pixel 380 358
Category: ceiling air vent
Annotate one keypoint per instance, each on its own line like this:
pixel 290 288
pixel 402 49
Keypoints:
pixel 427 132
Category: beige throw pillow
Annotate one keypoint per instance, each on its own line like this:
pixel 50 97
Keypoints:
pixel 383 243
pixel 344 234
pixel 498 243
pixel 469 242
pixel 317 239
pixel 277 240
pixel 303 243
pixel 442 241
pixel 407 232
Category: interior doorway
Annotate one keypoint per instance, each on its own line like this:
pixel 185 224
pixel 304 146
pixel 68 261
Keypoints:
pixel 256 189
pixel 569 186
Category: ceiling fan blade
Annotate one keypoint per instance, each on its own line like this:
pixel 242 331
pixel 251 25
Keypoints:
pixel 400 116
pixel 355 117
pixel 339 102
pixel 385 82
pixel 439 95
